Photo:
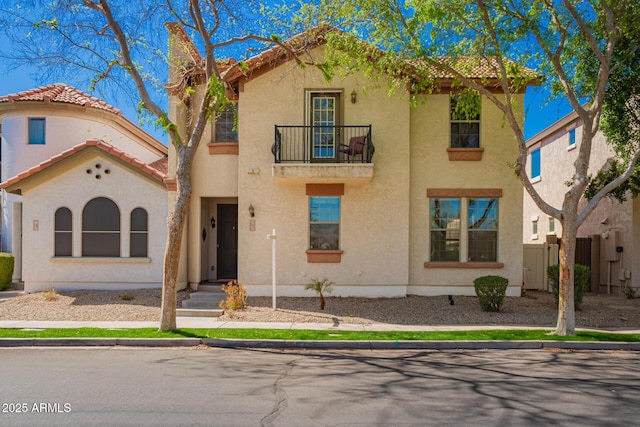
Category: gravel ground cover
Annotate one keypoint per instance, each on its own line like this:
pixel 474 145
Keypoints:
pixel 534 308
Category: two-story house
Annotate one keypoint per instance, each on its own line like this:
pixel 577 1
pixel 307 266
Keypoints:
pixel 378 195
pixel 83 199
pixel 607 236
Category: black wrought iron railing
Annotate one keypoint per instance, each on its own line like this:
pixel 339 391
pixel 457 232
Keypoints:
pixel 322 144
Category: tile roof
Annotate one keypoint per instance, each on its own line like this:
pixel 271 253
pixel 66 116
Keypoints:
pixel 298 44
pixel 62 93
pixel 161 165
pixel 155 170
pixel 470 66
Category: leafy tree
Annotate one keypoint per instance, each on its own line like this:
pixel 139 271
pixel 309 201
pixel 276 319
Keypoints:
pixel 621 121
pixel 121 46
pixel 571 43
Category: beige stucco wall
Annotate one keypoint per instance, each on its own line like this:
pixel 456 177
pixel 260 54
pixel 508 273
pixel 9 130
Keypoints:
pixel 66 126
pixel 69 185
pixel 374 225
pixel 432 169
pixel 610 219
pixel 384 220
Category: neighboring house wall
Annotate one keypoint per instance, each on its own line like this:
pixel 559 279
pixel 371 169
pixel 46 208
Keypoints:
pixel 70 185
pixel 70 118
pixel 610 225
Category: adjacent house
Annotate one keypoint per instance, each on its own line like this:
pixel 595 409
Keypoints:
pixel 382 197
pixel 606 239
pixel 84 204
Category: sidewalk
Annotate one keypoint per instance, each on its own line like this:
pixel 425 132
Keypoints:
pixel 213 323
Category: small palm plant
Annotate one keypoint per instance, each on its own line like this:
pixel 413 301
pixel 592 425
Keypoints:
pixel 320 287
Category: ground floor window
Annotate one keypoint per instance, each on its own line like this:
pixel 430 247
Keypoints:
pixel 63 232
pixel 138 241
pixel 463 229
pixel 324 222
pixel 482 225
pixel 101 228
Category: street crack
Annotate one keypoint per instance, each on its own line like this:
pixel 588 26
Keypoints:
pixel 281 397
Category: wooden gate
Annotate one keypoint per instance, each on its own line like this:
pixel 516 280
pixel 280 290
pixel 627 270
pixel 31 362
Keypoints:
pixel 537 257
pixel 583 251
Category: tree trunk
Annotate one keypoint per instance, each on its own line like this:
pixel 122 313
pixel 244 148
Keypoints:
pixel 566 307
pixel 175 226
pixel 321 301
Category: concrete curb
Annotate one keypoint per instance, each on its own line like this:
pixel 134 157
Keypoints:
pixel 320 345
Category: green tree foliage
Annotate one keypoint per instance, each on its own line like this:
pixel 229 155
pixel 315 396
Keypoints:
pixel 432 45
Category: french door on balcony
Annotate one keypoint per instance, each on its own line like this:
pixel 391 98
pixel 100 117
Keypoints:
pixel 324 119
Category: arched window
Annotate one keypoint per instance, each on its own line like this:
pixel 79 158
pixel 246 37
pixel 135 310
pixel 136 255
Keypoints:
pixel 63 232
pixel 139 242
pixel 101 228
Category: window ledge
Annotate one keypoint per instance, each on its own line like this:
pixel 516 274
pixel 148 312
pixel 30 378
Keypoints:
pixel 463 265
pixel 101 260
pixel 465 154
pixel 536 179
pixel 571 147
pixel 324 256
pixel 223 148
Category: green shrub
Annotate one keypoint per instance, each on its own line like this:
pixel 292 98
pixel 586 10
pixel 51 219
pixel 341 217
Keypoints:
pixel 491 291
pixel 582 281
pixel 6 269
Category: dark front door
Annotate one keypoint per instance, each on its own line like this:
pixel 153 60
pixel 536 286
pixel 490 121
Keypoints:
pixel 227 241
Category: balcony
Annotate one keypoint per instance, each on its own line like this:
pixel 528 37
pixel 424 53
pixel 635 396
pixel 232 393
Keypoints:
pixel 323 153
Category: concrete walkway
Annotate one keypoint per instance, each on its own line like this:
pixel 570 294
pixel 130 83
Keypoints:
pixel 213 323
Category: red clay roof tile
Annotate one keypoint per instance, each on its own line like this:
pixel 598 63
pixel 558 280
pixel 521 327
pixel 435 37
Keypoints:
pixel 157 170
pixel 62 93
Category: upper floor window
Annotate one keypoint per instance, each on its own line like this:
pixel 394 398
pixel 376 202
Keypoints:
pixel 465 120
pixel 63 232
pixel 226 129
pixel 535 163
pixel 572 137
pixel 37 130
pixel 139 244
pixel 101 228
pixel 324 222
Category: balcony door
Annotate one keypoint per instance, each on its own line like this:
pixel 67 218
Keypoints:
pixel 324 119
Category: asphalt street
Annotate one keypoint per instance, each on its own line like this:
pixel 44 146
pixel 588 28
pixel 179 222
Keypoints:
pixel 266 387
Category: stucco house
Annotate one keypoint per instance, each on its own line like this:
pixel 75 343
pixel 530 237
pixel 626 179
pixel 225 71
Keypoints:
pixel 607 236
pixel 379 196
pixel 83 199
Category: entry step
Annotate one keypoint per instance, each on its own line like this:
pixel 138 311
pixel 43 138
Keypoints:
pixel 198 312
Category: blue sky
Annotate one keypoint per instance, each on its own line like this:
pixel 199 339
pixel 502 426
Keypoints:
pixel 539 112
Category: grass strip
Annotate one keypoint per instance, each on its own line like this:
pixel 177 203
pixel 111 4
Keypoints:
pixel 319 335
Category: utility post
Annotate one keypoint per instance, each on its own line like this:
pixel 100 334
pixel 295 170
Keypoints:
pixel 272 237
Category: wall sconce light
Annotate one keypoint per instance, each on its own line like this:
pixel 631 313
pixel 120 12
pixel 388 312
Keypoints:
pixel 354 95
pixel 213 222
pixel 252 211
